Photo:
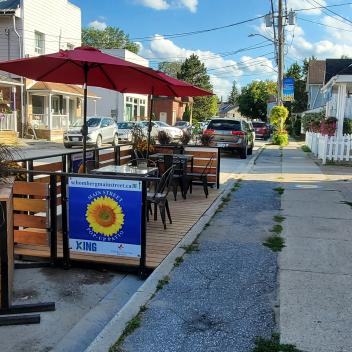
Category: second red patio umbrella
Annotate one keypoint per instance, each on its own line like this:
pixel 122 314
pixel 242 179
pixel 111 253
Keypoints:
pixel 91 67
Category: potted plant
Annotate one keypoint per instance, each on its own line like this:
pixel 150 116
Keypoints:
pixel 278 117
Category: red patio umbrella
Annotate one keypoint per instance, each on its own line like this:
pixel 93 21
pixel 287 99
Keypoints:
pixel 91 67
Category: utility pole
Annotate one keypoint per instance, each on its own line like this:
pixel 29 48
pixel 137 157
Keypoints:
pixel 281 40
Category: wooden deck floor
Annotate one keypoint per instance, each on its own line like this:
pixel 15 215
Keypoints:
pixel 160 242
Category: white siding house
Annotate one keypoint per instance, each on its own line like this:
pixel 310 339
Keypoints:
pixel 122 107
pixel 35 27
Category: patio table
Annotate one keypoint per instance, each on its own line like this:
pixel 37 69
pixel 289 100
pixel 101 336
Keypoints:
pixel 126 170
pixel 186 157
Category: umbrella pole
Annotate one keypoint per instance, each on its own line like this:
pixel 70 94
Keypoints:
pixel 85 127
pixel 150 121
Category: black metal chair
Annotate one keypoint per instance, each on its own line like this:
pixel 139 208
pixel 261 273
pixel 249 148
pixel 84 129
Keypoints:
pixel 179 177
pixel 200 177
pixel 159 197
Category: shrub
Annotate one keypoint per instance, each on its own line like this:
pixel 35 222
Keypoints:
pixel 311 121
pixel 280 138
pixel 347 126
pixel 164 138
pixel 206 139
pixel 278 116
pixel 186 137
pixel 328 126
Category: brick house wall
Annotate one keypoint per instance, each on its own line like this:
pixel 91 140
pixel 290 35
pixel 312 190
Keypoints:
pixel 169 109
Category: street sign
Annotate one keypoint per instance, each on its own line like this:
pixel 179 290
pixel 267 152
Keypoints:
pixel 105 216
pixel 288 89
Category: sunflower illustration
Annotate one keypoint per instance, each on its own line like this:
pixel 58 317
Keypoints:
pixel 105 216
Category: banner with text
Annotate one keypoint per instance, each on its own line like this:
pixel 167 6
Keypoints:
pixel 105 216
pixel 288 89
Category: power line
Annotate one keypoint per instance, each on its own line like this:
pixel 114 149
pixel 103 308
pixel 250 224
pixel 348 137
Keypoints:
pixel 323 24
pixel 333 12
pixel 321 7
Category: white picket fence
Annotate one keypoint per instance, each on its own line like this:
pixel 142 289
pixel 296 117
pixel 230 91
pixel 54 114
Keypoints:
pixel 330 148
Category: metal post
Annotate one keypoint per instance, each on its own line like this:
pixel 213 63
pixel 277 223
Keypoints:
pixel 53 220
pixel 65 238
pixel 142 263
pixel 280 54
pixel 5 302
pixel 85 127
pixel 150 120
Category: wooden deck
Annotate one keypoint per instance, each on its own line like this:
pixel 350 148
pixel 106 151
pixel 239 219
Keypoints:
pixel 160 242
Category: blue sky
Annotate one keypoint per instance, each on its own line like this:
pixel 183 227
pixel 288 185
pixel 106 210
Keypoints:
pixel 155 18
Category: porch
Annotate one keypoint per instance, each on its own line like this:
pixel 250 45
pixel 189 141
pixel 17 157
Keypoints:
pixel 53 107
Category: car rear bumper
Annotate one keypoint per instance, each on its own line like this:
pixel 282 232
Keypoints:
pixel 228 145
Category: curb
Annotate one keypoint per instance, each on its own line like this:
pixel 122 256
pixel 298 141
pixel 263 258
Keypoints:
pixel 114 329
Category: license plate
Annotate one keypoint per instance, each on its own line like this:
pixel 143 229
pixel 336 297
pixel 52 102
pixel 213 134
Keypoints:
pixel 75 139
pixel 223 145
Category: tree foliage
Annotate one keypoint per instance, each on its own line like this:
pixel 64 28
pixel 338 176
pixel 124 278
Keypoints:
pixel 108 38
pixel 193 71
pixel 170 68
pixel 299 104
pixel 252 102
pixel 234 94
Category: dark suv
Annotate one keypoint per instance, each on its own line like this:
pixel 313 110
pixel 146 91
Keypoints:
pixel 231 134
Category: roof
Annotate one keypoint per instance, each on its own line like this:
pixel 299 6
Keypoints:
pixel 226 107
pixel 336 67
pixel 9 82
pixel 9 5
pixel 316 72
pixel 69 89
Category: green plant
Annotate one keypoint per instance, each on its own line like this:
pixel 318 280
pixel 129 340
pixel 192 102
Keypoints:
pixel 178 261
pixel 131 326
pixel 194 247
pixel 280 138
pixel 347 126
pixel 161 283
pixel 235 187
pixel 279 218
pixel 273 345
pixel 312 119
pixel 279 190
pixel 275 243
pixel 306 149
pixel 164 138
pixel 278 116
pixel 277 229
pixel 7 155
pixel 206 139
pixel 185 138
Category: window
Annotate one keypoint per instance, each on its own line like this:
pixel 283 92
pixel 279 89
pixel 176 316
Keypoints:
pixel 39 43
pixel 230 125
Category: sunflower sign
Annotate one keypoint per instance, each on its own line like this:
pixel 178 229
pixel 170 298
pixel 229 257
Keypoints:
pixel 105 216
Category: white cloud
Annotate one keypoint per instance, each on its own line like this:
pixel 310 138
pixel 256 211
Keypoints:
pixel 222 71
pixel 155 4
pixel 98 25
pixel 191 5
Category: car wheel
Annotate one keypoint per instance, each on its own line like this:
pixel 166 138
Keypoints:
pixel 115 141
pixel 68 146
pixel 98 142
pixel 243 153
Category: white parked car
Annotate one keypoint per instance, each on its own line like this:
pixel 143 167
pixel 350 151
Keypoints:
pixel 100 130
pixel 125 129
pixel 174 132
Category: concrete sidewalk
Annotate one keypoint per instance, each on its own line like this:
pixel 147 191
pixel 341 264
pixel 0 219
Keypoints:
pixel 316 265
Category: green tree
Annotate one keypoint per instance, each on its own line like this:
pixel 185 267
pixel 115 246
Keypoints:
pixel 233 94
pixel 170 68
pixel 299 104
pixel 252 102
pixel 108 38
pixel 194 72
pixel 187 114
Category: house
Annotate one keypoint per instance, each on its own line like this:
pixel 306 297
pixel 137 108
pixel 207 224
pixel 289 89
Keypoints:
pixel 338 90
pixel 228 110
pixel 170 109
pixel 35 27
pixel 121 106
pixel 315 81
